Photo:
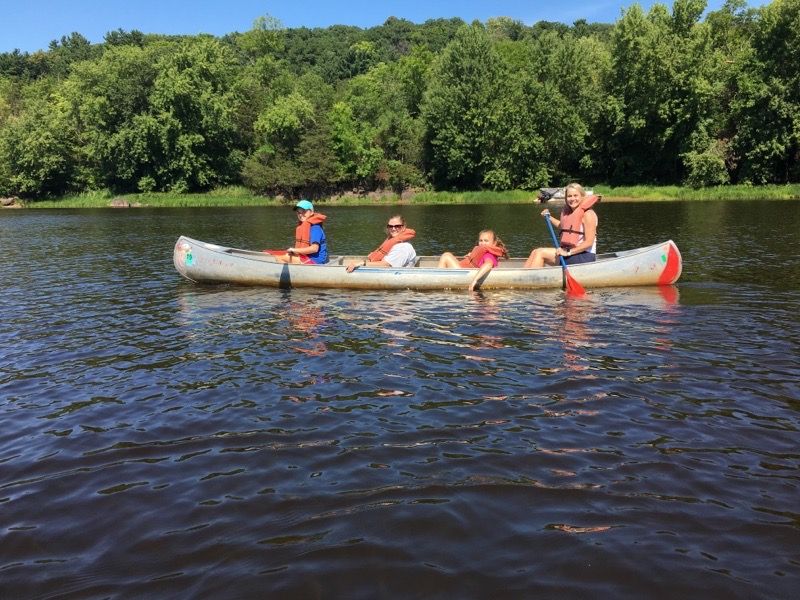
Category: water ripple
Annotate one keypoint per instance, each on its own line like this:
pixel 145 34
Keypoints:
pixel 166 439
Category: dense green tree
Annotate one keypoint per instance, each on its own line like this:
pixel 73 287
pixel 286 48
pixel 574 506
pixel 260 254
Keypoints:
pixel 460 110
pixel 107 101
pixel 256 86
pixel 360 58
pixel 36 157
pixel 71 49
pixel 394 39
pixel 663 78
pixel 20 65
pixel 157 118
pixel 193 103
pixel 601 31
pixel 505 28
pixel 357 156
pixel 528 129
pixel 307 170
pixel 545 27
pixel 284 122
pixel 264 38
pixel 710 157
pixel 294 156
pixel 382 100
pixel 323 51
pixel 574 71
pixel 767 103
pixel 10 99
pixel 120 37
pixel 412 77
pixel 436 34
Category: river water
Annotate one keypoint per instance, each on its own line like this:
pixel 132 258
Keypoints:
pixel 164 439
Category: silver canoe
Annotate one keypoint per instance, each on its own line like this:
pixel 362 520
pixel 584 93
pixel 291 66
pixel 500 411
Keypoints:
pixel 202 262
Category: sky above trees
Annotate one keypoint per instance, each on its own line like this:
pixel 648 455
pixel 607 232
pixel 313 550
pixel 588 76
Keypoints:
pixel 31 26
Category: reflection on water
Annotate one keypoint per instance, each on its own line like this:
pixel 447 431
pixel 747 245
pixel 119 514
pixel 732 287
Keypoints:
pixel 166 439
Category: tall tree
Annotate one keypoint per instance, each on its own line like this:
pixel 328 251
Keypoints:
pixel 573 71
pixel 195 109
pixel 36 150
pixel 294 156
pixel 767 103
pixel 461 108
pixel 664 83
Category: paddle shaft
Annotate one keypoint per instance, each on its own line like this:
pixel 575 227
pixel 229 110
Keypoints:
pixel 570 285
pixel 555 240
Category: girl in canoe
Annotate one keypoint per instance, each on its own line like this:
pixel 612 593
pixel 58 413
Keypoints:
pixel 578 230
pixel 484 257
pixel 395 251
pixel 310 246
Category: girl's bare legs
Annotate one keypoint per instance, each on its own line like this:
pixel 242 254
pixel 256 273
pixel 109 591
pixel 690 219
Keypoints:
pixel 541 257
pixel 448 261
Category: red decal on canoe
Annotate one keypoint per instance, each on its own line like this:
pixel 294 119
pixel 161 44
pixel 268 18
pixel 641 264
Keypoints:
pixel 672 270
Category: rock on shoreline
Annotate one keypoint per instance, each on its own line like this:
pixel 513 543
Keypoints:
pixel 122 203
pixel 10 202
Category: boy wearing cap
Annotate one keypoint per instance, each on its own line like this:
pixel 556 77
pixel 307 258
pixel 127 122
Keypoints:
pixel 310 246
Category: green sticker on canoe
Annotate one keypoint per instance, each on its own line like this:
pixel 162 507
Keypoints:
pixel 663 258
pixel 189 259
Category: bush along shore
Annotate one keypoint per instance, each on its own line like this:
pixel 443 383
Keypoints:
pixel 238 197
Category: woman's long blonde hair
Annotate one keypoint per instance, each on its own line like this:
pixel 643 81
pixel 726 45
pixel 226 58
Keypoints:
pixel 575 186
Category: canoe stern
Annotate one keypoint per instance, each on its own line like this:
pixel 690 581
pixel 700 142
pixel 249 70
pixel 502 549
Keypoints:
pixel 673 264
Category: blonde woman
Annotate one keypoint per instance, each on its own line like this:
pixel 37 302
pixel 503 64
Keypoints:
pixel 577 231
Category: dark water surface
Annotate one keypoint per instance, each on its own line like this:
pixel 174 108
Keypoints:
pixel 162 439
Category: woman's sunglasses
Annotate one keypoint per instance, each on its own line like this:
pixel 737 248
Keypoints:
pixel 390 226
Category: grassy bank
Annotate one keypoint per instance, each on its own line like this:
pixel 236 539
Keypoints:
pixel 239 196
pixel 726 192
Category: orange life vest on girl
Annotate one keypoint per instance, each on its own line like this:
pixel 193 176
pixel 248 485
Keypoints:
pixel 474 258
pixel 388 243
pixel 302 233
pixel 571 222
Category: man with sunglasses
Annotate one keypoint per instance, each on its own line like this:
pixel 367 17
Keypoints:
pixel 396 251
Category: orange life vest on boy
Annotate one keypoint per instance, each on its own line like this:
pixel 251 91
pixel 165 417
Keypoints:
pixel 571 222
pixel 302 233
pixel 474 258
pixel 388 243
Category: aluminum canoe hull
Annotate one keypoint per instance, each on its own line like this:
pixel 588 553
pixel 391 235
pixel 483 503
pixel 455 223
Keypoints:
pixel 203 262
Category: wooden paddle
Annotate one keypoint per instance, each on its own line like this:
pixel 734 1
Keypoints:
pixel 571 286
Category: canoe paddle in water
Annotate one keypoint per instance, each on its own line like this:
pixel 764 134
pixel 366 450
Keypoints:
pixel 571 286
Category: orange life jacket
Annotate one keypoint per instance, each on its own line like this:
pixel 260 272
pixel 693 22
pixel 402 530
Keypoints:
pixel 302 233
pixel 388 243
pixel 571 222
pixel 473 259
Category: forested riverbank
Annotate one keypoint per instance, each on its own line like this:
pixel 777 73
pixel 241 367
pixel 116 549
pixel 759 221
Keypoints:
pixel 241 197
pixel 695 104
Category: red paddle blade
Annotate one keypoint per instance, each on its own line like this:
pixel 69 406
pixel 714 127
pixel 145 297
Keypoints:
pixel 572 287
